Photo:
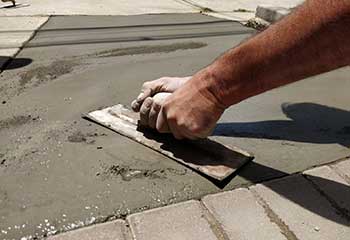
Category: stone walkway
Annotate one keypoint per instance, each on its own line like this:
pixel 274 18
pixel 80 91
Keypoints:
pixel 312 205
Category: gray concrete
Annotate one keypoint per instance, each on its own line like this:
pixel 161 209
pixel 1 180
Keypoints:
pixel 115 230
pixel 302 211
pixel 241 216
pixel 333 187
pixel 55 164
pixel 271 14
pixel 343 168
pixel 185 220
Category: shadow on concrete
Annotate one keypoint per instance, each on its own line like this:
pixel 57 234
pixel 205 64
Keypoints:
pixel 253 171
pixel 309 123
pixel 8 63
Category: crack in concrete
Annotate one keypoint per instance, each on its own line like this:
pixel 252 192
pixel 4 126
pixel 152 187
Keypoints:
pixel 274 218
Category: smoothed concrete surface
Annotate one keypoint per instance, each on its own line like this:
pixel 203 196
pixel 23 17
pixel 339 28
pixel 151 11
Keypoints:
pixel 58 167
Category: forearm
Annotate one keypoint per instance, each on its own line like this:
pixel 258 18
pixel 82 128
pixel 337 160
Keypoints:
pixel 312 40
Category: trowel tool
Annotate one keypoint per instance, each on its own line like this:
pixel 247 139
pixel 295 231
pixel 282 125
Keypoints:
pixel 206 156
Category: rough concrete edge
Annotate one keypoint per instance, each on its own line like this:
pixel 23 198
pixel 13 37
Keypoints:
pixel 125 231
pixel 160 208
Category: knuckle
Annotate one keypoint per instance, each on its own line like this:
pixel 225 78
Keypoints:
pixel 146 85
pixel 196 129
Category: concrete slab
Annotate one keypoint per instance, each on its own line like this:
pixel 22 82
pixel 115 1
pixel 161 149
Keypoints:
pixel 241 10
pixel 272 14
pixel 241 5
pixel 14 39
pixel 115 230
pixel 242 17
pixel 56 163
pixel 333 187
pixel 91 7
pixel 180 221
pixel 232 209
pixel 301 210
pixel 17 23
pixel 8 52
pixel 14 32
pixel 343 168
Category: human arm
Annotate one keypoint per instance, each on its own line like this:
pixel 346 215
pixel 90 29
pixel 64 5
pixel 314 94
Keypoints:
pixel 312 40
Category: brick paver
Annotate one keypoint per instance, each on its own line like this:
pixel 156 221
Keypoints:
pixel 241 216
pixel 115 230
pixel 185 221
pixel 314 205
pixel 303 211
pixel 335 188
pixel 343 168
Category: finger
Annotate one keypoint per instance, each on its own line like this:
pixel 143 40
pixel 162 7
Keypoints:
pixel 153 114
pixel 144 111
pixel 161 123
pixel 137 103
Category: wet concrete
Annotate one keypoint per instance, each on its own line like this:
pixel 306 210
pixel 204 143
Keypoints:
pixel 59 171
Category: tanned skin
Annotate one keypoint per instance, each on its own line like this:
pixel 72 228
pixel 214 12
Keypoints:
pixel 313 39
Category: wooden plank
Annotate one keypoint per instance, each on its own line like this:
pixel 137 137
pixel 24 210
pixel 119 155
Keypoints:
pixel 206 156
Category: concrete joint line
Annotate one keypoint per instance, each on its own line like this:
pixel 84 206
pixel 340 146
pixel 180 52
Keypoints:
pixel 34 33
pixel 214 224
pixel 330 164
pixel 127 232
pixel 132 234
pixel 341 211
pixel 274 218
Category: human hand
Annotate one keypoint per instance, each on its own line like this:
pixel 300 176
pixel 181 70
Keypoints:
pixel 164 84
pixel 190 112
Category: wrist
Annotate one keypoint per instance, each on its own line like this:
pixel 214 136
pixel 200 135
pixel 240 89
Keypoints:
pixel 235 76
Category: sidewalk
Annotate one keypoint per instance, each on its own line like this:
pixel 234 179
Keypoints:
pixel 19 24
pixel 311 205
